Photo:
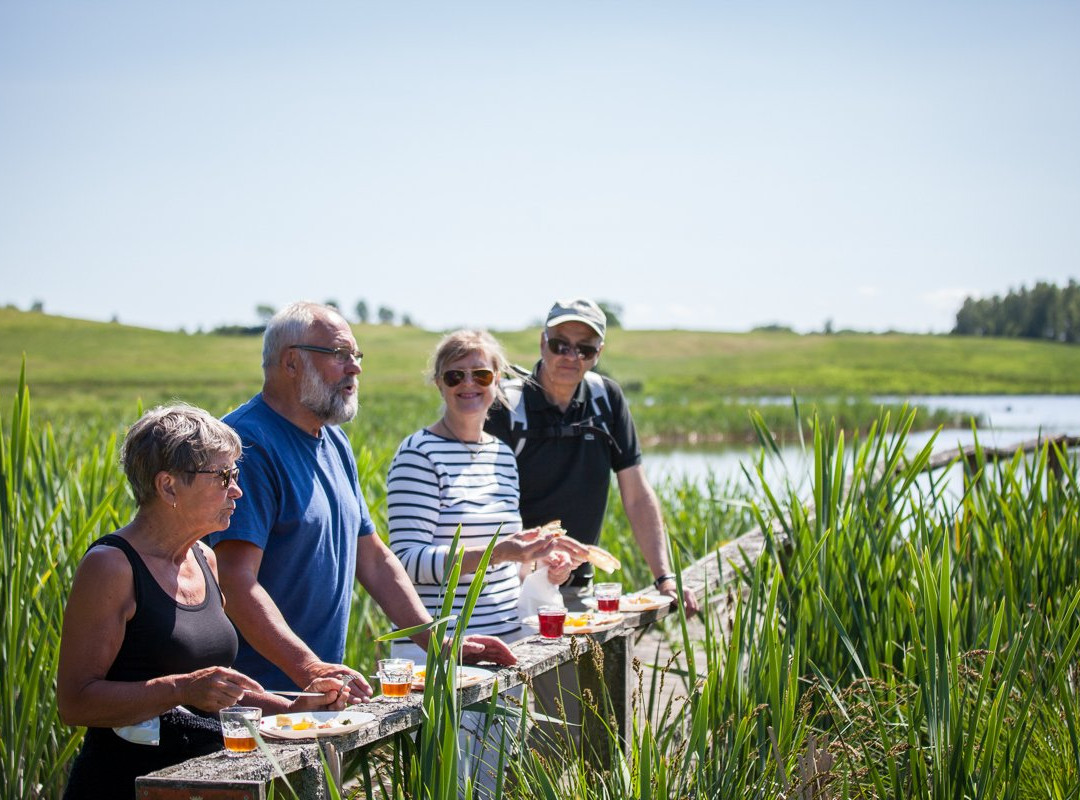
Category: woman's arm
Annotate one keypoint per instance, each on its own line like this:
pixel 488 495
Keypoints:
pixel 101 603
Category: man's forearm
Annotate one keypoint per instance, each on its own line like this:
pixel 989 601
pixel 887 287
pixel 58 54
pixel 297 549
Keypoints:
pixel 261 623
pixel 383 577
pixel 648 527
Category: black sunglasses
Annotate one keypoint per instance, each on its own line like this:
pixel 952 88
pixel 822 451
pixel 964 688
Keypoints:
pixel 342 355
pixel 481 377
pixel 227 475
pixel 561 347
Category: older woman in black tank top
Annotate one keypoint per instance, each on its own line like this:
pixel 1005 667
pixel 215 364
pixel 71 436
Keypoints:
pixel 145 633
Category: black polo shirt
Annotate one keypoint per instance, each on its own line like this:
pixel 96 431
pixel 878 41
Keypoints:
pixel 568 477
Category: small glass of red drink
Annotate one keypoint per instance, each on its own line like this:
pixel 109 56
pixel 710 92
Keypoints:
pixel 607 597
pixel 552 619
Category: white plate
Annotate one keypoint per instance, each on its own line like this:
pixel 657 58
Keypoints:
pixel 593 624
pixel 325 723
pixel 466 676
pixel 635 603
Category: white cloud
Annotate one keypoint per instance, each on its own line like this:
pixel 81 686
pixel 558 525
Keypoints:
pixel 946 299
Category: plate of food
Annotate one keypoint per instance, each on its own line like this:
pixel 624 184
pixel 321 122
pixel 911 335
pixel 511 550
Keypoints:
pixel 466 676
pixel 310 724
pixel 633 603
pixel 581 622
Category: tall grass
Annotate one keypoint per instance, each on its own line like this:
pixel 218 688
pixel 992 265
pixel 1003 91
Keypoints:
pixel 891 643
pixel 52 504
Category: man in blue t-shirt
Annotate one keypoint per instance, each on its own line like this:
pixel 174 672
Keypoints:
pixel 302 529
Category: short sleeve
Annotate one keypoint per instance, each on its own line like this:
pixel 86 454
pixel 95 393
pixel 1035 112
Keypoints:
pixel 623 430
pixel 257 509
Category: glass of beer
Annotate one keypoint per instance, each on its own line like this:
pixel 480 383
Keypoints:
pixel 551 620
pixel 607 597
pixel 395 677
pixel 238 725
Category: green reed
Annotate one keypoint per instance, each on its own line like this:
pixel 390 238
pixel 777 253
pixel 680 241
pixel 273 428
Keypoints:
pixel 894 641
pixel 52 504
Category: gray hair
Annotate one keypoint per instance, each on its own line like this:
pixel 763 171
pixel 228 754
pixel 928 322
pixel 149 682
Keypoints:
pixel 464 343
pixel 175 439
pixel 289 326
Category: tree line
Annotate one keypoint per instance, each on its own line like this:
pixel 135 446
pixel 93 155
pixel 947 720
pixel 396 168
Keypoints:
pixel 1042 312
pixel 384 315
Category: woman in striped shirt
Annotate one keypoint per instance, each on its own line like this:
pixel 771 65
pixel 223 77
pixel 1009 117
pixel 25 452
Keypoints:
pixel 453 473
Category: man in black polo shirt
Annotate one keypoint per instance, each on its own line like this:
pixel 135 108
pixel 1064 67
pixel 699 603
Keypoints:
pixel 570 428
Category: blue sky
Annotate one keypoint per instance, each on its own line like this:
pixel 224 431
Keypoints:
pixel 706 165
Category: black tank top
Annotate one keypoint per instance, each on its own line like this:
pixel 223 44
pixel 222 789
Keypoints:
pixel 163 637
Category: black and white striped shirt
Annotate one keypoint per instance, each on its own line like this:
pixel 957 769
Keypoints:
pixel 436 484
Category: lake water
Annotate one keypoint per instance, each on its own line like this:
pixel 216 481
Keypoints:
pixel 1006 420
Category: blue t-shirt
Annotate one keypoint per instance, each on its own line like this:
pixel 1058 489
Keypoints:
pixel 302 505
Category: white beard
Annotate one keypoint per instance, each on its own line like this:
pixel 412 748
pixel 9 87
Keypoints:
pixel 326 401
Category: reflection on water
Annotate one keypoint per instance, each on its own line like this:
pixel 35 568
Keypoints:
pixel 1009 420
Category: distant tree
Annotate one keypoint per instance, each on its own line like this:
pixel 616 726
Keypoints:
pixel 406 320
pixel 386 315
pixel 828 329
pixel 264 312
pixel 362 312
pixel 772 327
pixel 38 306
pixel 333 304
pixel 613 312
pixel 1043 312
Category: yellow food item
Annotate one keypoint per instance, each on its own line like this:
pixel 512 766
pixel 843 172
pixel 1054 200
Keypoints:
pixel 303 726
pixel 578 620
pixel 283 721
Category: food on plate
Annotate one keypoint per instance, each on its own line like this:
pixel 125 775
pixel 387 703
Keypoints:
pixel 578 622
pixel 284 722
pixel 633 601
pixel 463 678
pixel 602 559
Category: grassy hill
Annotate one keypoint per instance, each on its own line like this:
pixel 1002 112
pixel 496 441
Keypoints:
pixel 679 381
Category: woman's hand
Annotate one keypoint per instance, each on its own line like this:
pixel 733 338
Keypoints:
pixel 559 566
pixel 214 688
pixel 524 546
pixel 574 550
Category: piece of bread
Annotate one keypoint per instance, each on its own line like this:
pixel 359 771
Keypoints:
pixel 554 527
pixel 602 559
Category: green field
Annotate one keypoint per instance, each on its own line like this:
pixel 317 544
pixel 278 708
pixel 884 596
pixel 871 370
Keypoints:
pixel 682 384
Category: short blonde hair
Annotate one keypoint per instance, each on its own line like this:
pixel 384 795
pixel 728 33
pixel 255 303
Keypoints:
pixel 464 343
pixel 176 439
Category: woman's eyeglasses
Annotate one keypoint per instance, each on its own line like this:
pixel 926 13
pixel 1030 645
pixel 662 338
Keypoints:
pixel 481 377
pixel 561 347
pixel 227 475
